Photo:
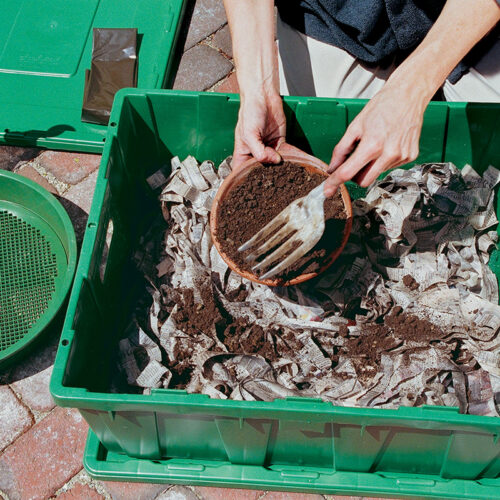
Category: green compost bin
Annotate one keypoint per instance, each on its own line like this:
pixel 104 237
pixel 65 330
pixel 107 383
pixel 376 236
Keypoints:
pixel 296 444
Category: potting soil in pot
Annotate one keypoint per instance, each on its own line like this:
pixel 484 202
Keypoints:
pixel 266 191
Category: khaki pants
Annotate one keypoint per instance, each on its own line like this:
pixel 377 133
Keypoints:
pixel 309 67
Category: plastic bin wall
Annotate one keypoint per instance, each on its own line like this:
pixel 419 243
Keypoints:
pixel 298 439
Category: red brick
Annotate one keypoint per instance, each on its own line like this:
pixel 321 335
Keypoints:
pixel 229 85
pixel 11 156
pixel 29 172
pixel 80 492
pixel 45 458
pixel 208 16
pixel 30 377
pixel 222 40
pixel 133 491
pixel 177 493
pixel 77 201
pixel 82 194
pixel 200 68
pixel 285 495
pixel 34 390
pixel 14 417
pixel 227 493
pixel 70 168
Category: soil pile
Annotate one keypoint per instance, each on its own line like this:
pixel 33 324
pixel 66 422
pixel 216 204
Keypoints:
pixel 242 337
pixel 211 319
pixel 410 282
pixel 396 329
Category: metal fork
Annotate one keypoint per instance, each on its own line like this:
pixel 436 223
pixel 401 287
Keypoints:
pixel 303 224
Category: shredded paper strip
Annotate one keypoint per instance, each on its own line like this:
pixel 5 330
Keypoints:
pixel 420 246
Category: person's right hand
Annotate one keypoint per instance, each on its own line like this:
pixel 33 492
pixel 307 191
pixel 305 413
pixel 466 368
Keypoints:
pixel 261 121
pixel 260 130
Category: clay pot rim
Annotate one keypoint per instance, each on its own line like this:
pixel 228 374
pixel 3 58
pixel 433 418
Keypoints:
pixel 312 164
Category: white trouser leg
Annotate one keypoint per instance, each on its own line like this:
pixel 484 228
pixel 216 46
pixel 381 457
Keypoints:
pixel 309 67
pixel 481 83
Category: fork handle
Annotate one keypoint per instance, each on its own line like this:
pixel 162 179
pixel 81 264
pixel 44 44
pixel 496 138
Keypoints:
pixel 318 192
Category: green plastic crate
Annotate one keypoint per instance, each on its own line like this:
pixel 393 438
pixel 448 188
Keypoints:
pixel 297 443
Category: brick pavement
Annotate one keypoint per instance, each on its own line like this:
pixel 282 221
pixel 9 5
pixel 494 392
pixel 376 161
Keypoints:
pixel 41 445
pixel 207 61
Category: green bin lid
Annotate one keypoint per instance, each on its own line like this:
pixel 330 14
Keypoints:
pixel 45 48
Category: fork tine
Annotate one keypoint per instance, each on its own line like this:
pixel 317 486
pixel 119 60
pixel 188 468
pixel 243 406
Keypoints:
pixel 266 231
pixel 271 242
pixel 295 255
pixel 278 253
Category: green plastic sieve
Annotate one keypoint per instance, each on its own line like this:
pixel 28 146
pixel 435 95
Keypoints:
pixel 37 262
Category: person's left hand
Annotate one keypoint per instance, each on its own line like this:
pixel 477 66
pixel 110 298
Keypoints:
pixel 384 135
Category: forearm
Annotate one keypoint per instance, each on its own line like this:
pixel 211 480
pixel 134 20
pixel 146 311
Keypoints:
pixel 460 26
pixel 252 31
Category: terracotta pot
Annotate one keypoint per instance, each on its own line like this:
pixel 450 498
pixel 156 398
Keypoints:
pixel 311 164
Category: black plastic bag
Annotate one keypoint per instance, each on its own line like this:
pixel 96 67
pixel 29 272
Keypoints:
pixel 113 67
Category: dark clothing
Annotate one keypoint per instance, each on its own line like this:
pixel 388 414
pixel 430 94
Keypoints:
pixel 377 32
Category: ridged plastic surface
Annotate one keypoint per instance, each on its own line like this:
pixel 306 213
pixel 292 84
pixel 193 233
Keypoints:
pixel 297 443
pixel 27 282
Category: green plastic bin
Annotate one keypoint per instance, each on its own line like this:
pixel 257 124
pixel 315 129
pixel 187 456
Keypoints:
pixel 293 444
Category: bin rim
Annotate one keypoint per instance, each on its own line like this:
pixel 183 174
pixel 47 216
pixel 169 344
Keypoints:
pixel 99 464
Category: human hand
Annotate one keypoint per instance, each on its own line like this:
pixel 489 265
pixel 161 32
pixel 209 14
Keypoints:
pixel 261 121
pixel 260 130
pixel 384 135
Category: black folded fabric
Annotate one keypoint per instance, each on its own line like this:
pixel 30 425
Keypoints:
pixel 377 32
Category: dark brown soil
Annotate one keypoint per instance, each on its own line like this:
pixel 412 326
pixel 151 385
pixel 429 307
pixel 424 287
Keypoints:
pixel 410 282
pixel 268 190
pixel 193 318
pixel 181 368
pixel 243 337
pixel 377 338
pixel 208 317
pixel 240 337
pixel 238 295
pixel 412 328
pixel 367 349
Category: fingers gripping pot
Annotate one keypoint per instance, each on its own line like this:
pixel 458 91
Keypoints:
pixel 313 165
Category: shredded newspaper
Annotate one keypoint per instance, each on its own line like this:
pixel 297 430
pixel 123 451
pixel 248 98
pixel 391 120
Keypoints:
pixel 408 315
